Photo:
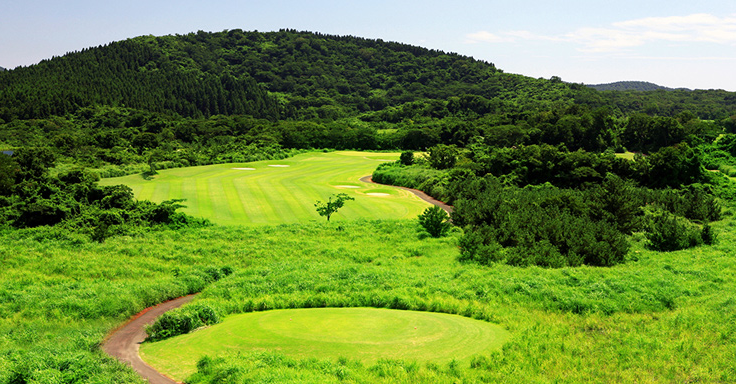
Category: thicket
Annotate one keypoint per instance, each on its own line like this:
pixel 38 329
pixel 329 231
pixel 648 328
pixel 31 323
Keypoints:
pixel 31 197
pixel 544 205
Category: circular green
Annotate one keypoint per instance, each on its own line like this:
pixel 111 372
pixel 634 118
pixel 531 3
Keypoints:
pixel 366 334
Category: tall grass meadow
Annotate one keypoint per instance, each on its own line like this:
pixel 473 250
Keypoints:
pixel 659 317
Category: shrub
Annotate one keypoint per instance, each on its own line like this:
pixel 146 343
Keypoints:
pixel 406 158
pixel 182 320
pixel 709 237
pixel 435 221
pixel 668 232
pixel 477 246
pixel 541 225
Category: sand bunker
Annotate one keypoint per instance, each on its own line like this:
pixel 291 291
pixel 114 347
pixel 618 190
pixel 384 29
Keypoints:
pixel 347 186
pixel 377 194
pixel 278 165
pixel 245 169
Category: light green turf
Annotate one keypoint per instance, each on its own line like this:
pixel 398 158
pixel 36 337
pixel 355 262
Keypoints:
pixel 279 191
pixel 366 334
pixel 626 155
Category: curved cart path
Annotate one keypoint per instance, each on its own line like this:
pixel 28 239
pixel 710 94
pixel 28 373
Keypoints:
pixel 420 194
pixel 123 343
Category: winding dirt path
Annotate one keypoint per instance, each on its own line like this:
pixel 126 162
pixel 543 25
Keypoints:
pixel 448 208
pixel 124 342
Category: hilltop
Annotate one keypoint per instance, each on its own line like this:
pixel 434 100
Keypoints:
pixel 294 75
pixel 632 86
pixel 283 74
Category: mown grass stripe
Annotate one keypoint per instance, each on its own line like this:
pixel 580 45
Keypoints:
pixel 274 195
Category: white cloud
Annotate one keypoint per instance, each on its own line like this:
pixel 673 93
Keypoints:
pixel 696 28
pixel 485 37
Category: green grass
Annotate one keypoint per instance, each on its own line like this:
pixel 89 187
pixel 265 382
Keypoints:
pixel 659 318
pixel 626 155
pixel 279 191
pixel 365 334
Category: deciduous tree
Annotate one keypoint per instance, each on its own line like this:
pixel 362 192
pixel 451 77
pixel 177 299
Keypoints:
pixel 331 206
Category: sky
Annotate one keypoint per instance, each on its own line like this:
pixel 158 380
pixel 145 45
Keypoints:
pixel 674 43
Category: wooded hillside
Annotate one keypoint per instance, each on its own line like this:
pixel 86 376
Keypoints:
pixel 302 75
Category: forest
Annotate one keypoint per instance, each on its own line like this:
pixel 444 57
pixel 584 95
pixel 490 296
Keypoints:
pixel 541 173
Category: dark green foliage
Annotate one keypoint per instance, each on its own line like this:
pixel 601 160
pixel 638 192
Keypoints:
pixel 668 232
pixel 8 171
pixel 33 162
pixel 479 246
pixel 182 320
pixel 695 202
pixel 708 235
pixel 406 158
pixel 137 73
pixel 537 226
pixel 442 156
pixel 640 86
pixel 331 206
pixel 671 167
pixel 539 164
pixel 435 221
pixel 618 202
pixel 74 200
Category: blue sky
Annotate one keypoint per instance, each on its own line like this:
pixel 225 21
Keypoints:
pixel 672 43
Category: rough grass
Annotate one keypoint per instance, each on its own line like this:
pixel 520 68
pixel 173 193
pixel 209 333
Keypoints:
pixel 365 334
pixel 278 191
pixel 659 318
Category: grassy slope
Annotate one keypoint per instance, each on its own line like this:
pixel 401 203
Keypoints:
pixel 275 195
pixel 366 334
pixel 668 317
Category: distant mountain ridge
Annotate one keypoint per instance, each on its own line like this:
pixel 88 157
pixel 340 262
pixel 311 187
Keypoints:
pixel 632 86
pixel 2 69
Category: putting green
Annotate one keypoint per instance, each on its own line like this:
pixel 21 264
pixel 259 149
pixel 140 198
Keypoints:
pixel 367 334
pixel 279 191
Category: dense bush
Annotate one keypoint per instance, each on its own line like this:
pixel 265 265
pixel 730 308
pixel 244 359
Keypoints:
pixel 537 226
pixel 182 320
pixel 434 220
pixel 668 232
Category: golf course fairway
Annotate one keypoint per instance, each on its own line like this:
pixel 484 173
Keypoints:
pixel 278 191
pixel 365 334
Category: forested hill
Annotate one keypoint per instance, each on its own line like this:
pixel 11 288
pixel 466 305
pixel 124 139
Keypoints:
pixel 631 86
pixel 203 74
pixel 302 76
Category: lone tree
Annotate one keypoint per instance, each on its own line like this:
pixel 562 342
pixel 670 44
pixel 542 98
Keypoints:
pixel 331 206
pixel 435 221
